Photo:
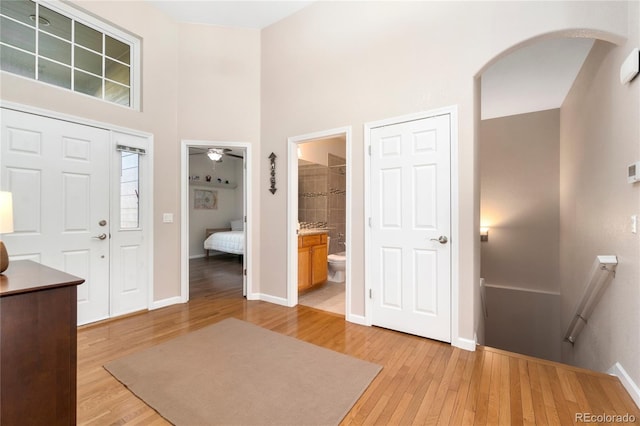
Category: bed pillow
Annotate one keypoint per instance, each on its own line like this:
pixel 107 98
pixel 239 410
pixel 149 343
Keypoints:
pixel 237 225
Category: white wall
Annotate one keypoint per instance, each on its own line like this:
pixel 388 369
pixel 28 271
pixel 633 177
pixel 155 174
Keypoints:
pixel 600 136
pixel 188 92
pixel 348 63
pixel 201 219
pixel 327 66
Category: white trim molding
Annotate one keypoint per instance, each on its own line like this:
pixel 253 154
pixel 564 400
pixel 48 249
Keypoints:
pixel 357 319
pixel 165 302
pixel 466 344
pixel 184 212
pixel 271 299
pixel 292 213
pixel 626 380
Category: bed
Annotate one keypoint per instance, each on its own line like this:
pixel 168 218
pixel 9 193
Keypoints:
pixel 226 240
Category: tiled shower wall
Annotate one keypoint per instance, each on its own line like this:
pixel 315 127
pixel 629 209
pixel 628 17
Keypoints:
pixel 312 194
pixel 337 192
pixel 322 198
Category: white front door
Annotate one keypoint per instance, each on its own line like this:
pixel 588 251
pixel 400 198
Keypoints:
pixel 130 190
pixel 410 251
pixel 58 173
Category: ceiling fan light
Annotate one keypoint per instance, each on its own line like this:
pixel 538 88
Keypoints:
pixel 214 154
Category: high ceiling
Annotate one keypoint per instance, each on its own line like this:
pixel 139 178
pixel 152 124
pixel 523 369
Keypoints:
pixel 241 14
pixel 534 78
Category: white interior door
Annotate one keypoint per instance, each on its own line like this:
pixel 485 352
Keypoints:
pixel 410 262
pixel 58 173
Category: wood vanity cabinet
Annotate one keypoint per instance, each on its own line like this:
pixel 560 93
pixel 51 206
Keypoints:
pixel 312 260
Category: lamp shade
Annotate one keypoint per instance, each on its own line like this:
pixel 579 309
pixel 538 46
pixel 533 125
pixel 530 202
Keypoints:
pixel 6 212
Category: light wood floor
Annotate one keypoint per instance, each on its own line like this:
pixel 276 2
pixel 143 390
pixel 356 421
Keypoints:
pixel 422 382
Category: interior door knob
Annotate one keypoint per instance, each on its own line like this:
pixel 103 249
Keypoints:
pixel 102 236
pixel 441 239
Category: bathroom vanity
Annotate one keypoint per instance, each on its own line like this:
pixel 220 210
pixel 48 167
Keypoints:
pixel 312 258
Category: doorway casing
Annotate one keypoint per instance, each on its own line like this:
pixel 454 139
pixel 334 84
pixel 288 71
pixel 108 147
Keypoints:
pixel 184 212
pixel 292 214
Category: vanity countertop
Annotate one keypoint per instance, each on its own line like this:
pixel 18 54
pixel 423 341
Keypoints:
pixel 303 232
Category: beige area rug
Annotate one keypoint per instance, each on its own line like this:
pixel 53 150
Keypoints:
pixel 236 373
pixel 329 297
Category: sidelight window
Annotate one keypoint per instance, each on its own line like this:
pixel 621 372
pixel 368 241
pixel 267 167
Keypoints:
pixel 130 190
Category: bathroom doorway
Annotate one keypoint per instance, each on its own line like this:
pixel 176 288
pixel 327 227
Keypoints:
pixel 319 212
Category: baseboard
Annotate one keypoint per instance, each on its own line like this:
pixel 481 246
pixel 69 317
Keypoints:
pixel 197 256
pixel 157 304
pixel 357 319
pixel 253 296
pixel 273 299
pixel 631 387
pixel 462 343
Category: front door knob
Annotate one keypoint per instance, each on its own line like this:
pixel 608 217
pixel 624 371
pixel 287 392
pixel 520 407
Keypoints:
pixel 441 239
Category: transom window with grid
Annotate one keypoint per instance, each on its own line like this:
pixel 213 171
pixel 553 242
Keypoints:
pixel 49 43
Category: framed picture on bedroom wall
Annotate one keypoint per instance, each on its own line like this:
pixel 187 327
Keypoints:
pixel 205 199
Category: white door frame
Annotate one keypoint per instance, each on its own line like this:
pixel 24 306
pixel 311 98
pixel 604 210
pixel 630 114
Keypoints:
pixel 292 213
pixel 184 211
pixel 148 173
pixel 455 246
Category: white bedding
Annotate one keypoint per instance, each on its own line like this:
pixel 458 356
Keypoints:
pixel 228 242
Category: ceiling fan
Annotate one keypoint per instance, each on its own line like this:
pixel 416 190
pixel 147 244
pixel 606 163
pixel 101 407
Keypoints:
pixel 214 154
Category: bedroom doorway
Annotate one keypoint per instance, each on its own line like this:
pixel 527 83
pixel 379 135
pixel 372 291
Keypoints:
pixel 319 212
pixel 216 194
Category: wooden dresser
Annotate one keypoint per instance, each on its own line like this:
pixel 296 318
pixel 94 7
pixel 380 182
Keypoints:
pixel 38 343
pixel 312 260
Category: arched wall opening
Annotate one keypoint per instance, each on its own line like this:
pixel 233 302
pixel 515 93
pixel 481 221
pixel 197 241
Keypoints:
pixel 585 229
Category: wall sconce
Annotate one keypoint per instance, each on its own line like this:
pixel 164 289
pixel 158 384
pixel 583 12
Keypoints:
pixel 484 234
pixel 6 226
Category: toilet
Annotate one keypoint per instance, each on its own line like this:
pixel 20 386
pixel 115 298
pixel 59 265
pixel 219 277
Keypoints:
pixel 337 266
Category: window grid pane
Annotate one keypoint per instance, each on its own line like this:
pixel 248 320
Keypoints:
pixel 19 10
pixel 88 37
pixel 129 191
pixel 17 62
pixel 54 23
pixel 87 84
pixel 54 48
pixel 17 35
pixel 88 61
pixel 97 64
pixel 54 73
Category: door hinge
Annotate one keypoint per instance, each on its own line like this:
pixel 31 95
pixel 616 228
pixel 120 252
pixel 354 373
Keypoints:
pixel 369 222
pixel 245 272
pixel 369 150
pixel 370 294
pixel 245 219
